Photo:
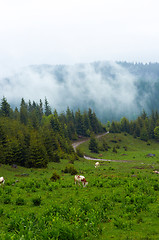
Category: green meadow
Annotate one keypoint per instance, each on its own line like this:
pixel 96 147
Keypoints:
pixel 127 148
pixel 121 200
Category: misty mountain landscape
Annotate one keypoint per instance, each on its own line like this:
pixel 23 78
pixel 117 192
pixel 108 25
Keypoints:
pixel 79 120
pixel 111 89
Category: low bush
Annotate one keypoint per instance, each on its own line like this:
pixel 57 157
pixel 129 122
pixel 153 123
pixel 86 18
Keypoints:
pixel 36 201
pixel 55 177
pixel 20 201
pixel 125 148
pixel 7 200
pixel 70 169
pixel 114 150
pixel 1 211
pixel 79 152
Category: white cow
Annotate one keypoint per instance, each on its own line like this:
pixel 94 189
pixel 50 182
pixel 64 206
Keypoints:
pixel 97 164
pixel 2 180
pixel 79 178
pixel 156 171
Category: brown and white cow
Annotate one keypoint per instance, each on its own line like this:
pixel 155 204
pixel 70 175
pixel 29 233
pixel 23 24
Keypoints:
pixel 2 180
pixel 79 178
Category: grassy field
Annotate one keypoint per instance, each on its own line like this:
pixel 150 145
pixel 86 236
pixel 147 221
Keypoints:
pixel 121 200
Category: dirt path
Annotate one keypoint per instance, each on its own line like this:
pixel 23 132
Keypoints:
pixel 77 143
pixel 104 160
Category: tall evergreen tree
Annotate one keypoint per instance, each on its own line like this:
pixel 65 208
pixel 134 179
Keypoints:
pixel 79 123
pixel 47 108
pixel 93 145
pixel 86 123
pixel 23 112
pixel 5 108
pixel 125 125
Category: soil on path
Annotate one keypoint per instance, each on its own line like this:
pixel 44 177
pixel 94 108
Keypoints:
pixel 78 142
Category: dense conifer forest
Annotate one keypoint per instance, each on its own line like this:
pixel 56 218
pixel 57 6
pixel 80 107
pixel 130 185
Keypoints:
pixel 145 127
pixel 34 135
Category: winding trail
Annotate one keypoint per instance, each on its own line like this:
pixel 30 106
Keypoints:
pixel 77 143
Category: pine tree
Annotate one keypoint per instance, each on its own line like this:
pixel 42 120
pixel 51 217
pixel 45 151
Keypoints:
pixel 37 152
pixel 3 144
pixel 144 134
pixel 156 133
pixel 93 145
pixel 47 108
pixel 86 123
pixel 125 125
pixel 16 114
pixel 79 123
pixel 23 112
pixel 70 122
pixel 5 108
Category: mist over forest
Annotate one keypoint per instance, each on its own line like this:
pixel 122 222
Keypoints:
pixel 111 89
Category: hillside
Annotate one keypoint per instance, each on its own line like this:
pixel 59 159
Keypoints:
pixel 123 148
pixel 34 135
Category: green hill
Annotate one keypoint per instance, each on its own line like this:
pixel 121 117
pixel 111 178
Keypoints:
pixel 122 146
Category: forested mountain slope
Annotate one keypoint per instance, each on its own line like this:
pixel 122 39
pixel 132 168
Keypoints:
pixel 34 135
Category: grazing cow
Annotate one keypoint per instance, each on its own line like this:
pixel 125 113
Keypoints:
pixel 2 180
pixel 79 178
pixel 96 164
pixel 156 171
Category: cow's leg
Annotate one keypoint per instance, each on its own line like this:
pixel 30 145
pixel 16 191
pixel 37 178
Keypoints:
pixel 83 184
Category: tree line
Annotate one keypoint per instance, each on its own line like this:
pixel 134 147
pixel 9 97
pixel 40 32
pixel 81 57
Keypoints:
pixel 33 135
pixel 145 127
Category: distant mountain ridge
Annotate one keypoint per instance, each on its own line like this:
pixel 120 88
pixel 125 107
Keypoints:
pixel 111 89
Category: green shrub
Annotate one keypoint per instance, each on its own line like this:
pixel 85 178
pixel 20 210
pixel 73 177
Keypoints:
pixel 72 158
pixel 106 146
pixel 7 200
pixel 113 141
pixel 117 146
pixel 156 187
pixel 36 201
pixel 70 169
pixel 79 152
pixel 8 190
pixel 126 148
pixel 1 211
pixel 55 177
pixel 114 150
pixel 20 201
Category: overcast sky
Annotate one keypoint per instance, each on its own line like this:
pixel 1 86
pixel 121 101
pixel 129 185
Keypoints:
pixel 76 31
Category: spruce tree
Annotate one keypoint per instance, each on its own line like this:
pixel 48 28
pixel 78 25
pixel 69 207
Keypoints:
pixel 23 112
pixel 5 108
pixel 93 145
pixel 47 108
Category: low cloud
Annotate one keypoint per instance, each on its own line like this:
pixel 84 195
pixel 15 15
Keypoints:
pixel 106 87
